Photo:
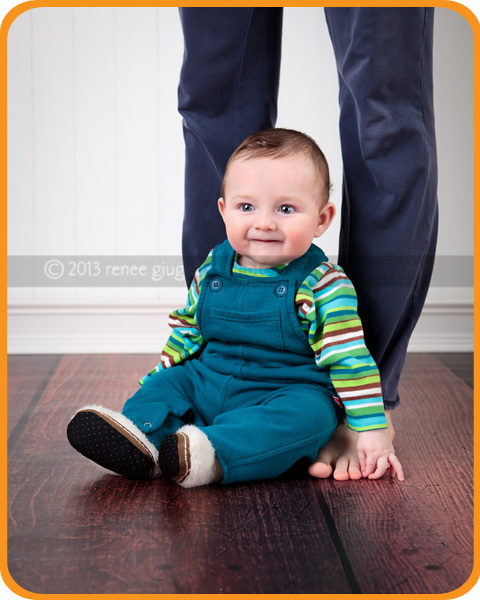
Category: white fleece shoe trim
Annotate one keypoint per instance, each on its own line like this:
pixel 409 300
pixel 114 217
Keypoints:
pixel 201 458
pixel 132 429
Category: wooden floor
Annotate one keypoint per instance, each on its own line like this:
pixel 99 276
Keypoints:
pixel 74 528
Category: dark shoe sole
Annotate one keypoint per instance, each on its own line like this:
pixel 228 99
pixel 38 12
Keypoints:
pixel 104 441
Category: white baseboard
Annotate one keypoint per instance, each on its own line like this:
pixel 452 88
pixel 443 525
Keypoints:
pixel 444 327
pixel 126 328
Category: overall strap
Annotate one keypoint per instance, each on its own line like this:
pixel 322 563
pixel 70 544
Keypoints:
pixel 222 257
pixel 301 268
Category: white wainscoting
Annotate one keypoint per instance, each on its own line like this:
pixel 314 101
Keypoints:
pixel 133 328
pixel 96 160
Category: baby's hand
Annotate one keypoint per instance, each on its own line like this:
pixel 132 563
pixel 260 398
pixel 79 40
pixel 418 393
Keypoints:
pixel 376 455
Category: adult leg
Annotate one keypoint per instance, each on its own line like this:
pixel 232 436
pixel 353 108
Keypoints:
pixel 228 90
pixel 389 211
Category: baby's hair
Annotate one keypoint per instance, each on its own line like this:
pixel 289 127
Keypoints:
pixel 277 143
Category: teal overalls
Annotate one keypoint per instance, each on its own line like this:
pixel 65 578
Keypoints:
pixel 255 389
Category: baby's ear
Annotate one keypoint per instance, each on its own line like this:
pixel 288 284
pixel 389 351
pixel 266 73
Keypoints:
pixel 325 218
pixel 221 205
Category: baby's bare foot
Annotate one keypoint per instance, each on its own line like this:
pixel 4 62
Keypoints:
pixel 339 456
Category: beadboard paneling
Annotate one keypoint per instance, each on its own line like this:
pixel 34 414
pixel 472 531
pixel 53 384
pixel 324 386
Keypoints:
pixel 96 152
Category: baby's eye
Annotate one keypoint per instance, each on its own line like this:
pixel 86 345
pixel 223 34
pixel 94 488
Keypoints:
pixel 286 209
pixel 246 207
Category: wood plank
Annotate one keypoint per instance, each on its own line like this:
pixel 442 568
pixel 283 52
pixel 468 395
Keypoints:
pixel 27 377
pixel 460 363
pixel 75 529
pixel 416 536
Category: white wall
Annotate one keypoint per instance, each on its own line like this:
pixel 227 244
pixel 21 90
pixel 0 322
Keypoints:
pixel 96 163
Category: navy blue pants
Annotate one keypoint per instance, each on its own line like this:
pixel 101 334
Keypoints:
pixel 228 90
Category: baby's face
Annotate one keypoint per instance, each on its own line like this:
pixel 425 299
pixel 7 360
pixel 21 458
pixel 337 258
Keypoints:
pixel 273 209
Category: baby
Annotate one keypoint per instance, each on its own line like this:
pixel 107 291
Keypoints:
pixel 268 355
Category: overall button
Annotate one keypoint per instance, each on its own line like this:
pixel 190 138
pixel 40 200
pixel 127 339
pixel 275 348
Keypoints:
pixel 216 285
pixel 281 289
pixel 147 425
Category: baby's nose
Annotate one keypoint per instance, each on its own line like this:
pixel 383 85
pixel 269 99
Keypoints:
pixel 264 222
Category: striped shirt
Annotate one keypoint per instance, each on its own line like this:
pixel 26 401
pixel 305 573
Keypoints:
pixel 326 306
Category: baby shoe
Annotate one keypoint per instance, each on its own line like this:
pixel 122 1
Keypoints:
pixel 111 440
pixel 188 458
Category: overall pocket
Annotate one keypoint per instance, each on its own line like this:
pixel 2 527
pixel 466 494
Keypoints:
pixel 255 329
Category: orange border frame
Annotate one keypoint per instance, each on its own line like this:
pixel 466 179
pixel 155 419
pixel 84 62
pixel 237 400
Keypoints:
pixel 15 12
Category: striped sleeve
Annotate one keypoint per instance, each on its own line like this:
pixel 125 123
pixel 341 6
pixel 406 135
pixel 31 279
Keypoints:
pixel 185 339
pixel 328 303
